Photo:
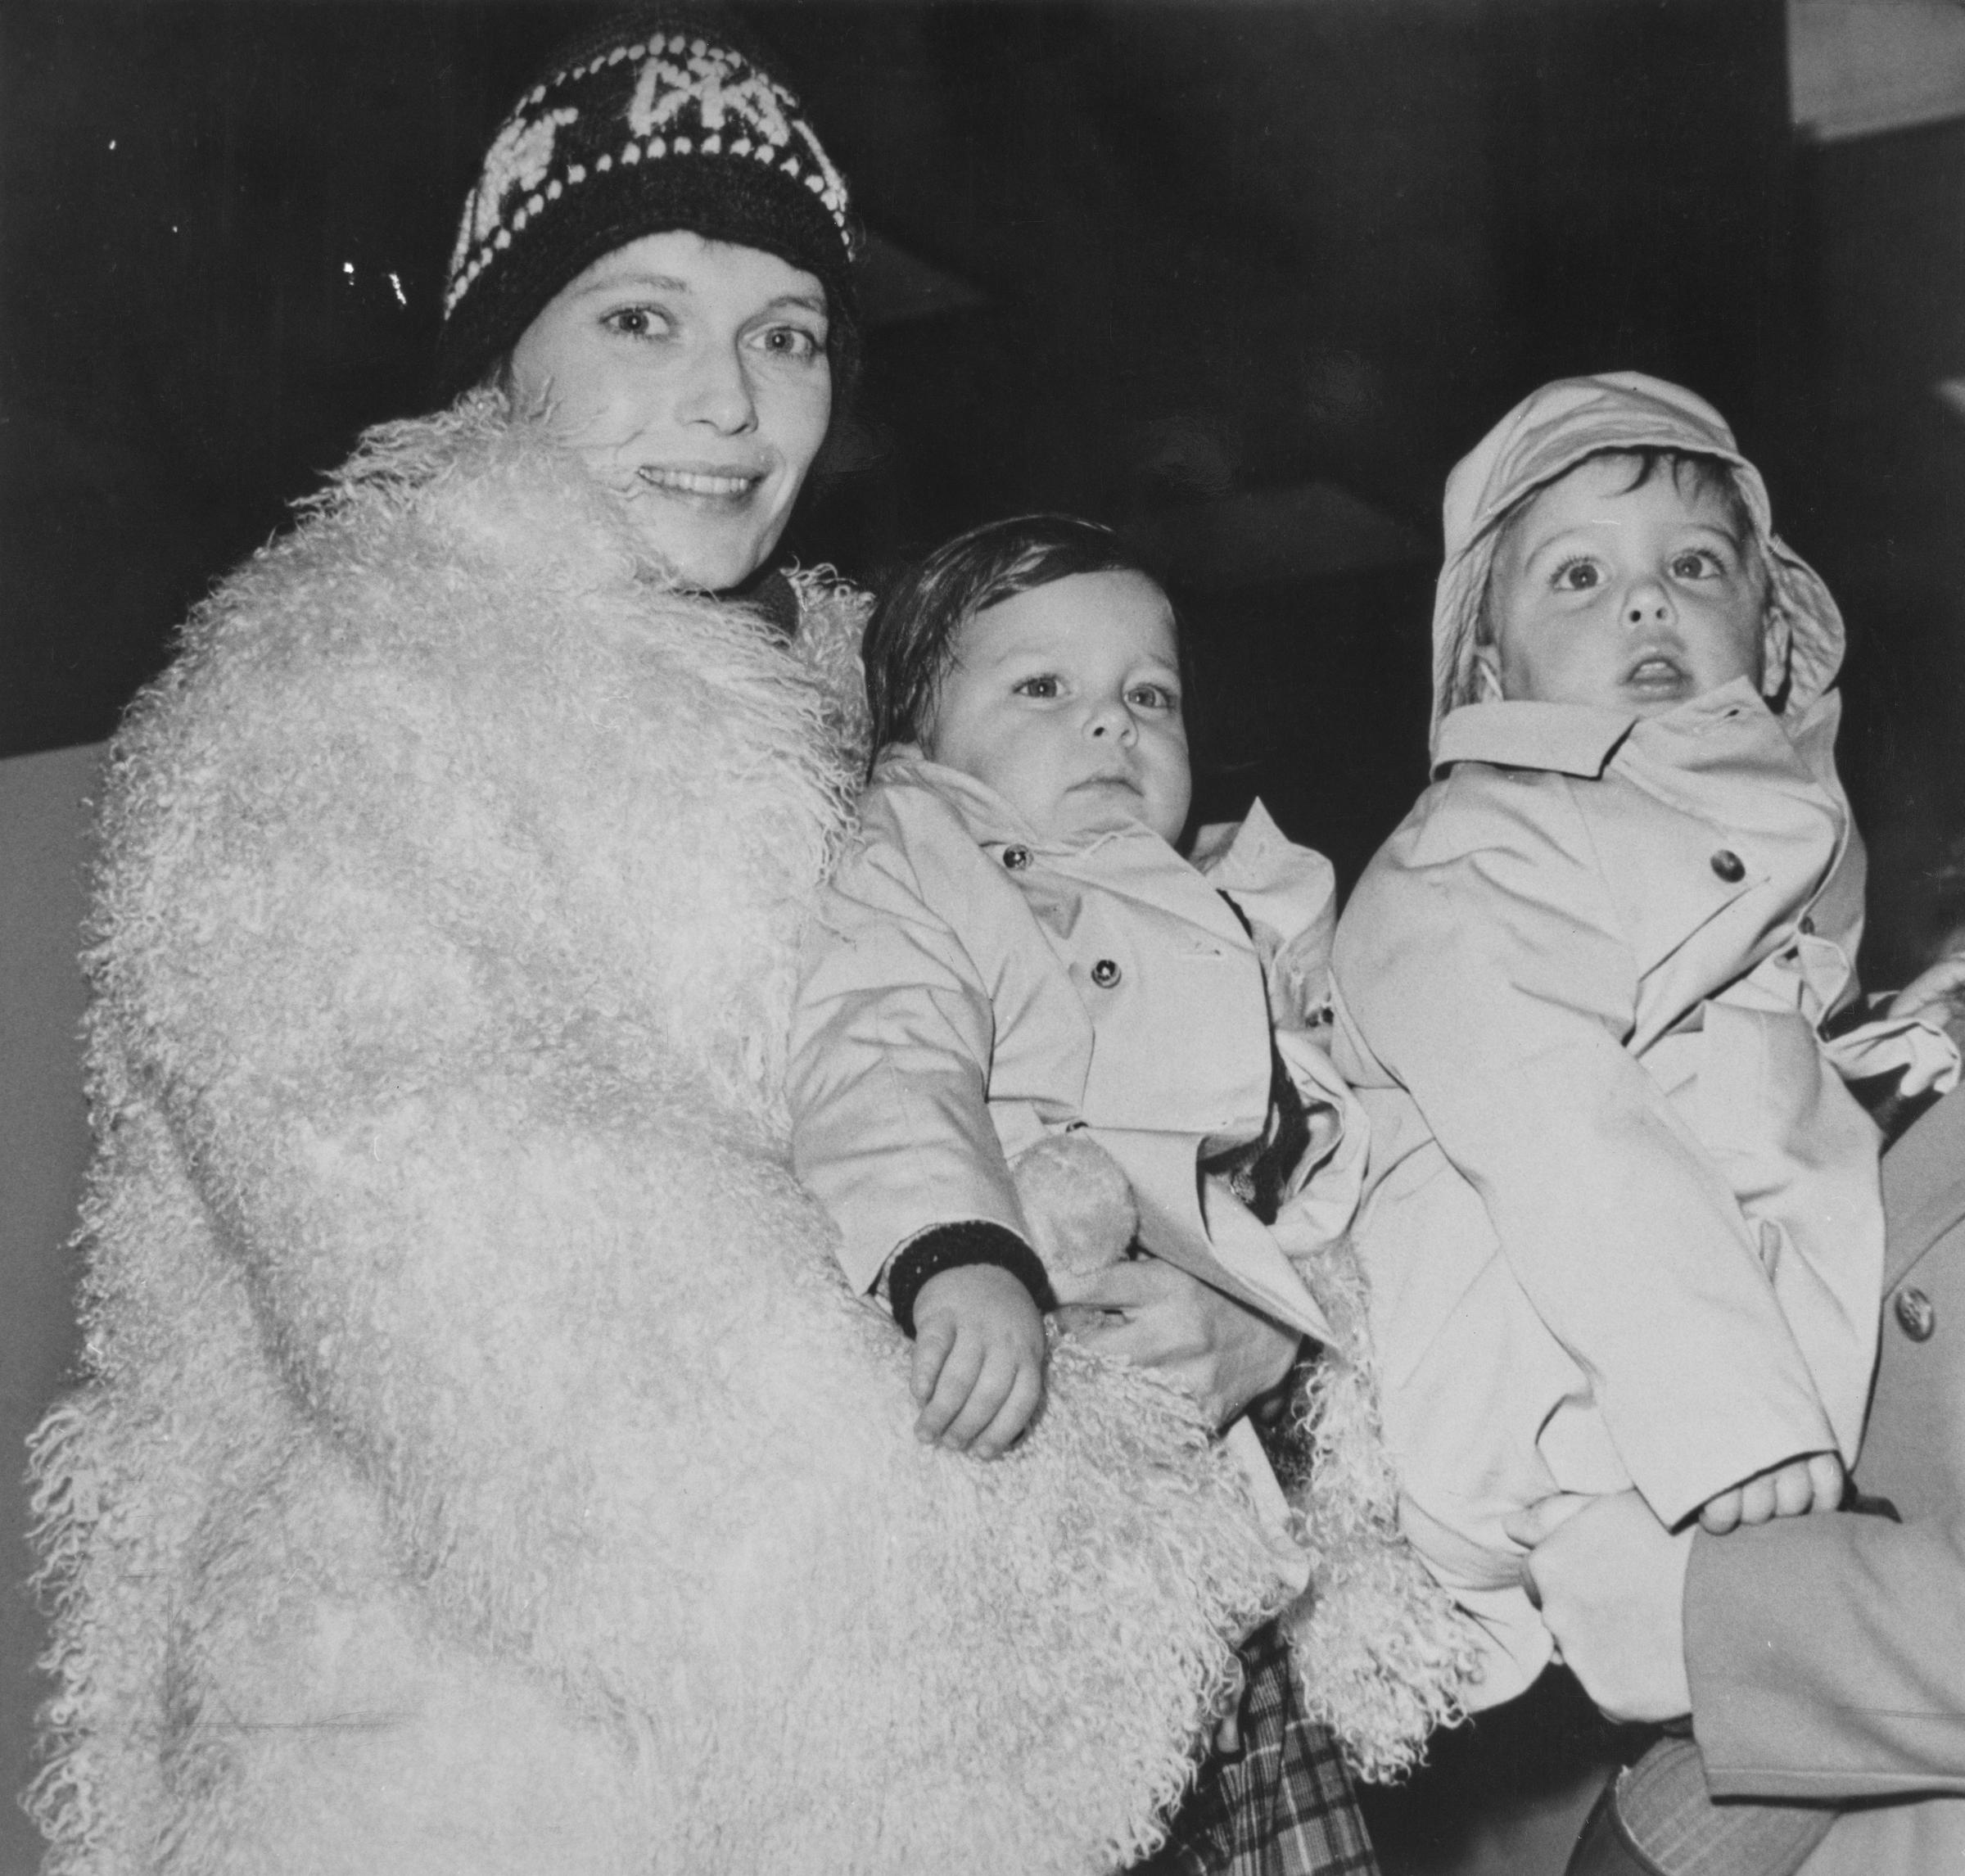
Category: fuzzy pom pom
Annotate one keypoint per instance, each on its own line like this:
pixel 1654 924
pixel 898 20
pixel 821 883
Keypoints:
pixel 1078 1204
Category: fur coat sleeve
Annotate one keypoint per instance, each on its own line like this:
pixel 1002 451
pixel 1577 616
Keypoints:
pixel 481 1464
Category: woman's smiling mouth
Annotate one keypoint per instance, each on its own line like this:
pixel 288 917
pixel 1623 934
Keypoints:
pixel 721 486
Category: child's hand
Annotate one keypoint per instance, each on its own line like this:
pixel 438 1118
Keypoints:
pixel 978 1371
pixel 1943 984
pixel 1812 1484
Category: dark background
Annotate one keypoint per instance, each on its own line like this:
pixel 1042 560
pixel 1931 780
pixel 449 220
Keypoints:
pixel 1245 279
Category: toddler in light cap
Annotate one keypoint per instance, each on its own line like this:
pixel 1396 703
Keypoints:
pixel 1622 1225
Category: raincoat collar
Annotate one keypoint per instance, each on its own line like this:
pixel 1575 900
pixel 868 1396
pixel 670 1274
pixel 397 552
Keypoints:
pixel 1569 738
pixel 1291 888
pixel 1546 435
pixel 990 819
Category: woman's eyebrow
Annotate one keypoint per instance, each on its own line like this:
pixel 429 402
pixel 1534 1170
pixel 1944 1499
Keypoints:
pixel 654 282
pixel 810 302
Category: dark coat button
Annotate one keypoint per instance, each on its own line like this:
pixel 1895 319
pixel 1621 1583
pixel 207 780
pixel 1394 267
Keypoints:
pixel 1105 973
pixel 1016 858
pixel 1917 1315
pixel 1729 865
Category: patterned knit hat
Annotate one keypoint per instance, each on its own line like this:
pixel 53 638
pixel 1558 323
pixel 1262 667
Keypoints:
pixel 663 120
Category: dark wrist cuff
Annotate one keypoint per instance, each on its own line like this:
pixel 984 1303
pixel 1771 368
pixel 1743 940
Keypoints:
pixel 944 1247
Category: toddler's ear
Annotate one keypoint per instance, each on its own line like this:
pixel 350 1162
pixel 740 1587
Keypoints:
pixel 1484 675
pixel 1777 641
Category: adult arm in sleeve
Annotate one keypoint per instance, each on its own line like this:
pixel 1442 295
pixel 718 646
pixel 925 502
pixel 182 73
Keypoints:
pixel 1827 1657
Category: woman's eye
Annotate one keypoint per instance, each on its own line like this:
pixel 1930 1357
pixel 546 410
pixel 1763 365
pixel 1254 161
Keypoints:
pixel 794 342
pixel 1036 687
pixel 637 323
pixel 1696 563
pixel 1577 576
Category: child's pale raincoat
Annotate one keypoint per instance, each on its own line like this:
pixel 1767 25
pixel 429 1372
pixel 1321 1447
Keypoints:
pixel 1621 1223
pixel 970 987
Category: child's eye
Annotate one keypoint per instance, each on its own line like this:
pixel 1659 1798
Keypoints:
pixel 1036 687
pixel 1578 576
pixel 1697 564
pixel 1153 697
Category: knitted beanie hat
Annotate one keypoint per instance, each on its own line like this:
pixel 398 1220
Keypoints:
pixel 1545 436
pixel 663 120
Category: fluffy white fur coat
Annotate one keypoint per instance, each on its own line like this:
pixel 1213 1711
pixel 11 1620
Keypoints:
pixel 482 1467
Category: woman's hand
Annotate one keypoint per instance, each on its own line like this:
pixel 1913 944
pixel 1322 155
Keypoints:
pixel 1148 1312
pixel 1609 1580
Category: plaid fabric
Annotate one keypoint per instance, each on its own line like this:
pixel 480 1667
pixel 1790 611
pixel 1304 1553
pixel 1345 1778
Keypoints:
pixel 1282 1806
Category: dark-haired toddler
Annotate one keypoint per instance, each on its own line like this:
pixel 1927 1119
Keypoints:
pixel 1016 951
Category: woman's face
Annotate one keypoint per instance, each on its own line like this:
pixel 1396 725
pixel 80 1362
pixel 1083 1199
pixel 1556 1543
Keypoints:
pixel 692 376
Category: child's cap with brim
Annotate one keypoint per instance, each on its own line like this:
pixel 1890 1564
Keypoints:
pixel 1546 435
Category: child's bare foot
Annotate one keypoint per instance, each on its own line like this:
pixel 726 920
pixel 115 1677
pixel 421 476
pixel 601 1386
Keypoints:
pixel 1814 1483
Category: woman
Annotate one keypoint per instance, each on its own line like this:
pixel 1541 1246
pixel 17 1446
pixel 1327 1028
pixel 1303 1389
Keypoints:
pixel 480 1466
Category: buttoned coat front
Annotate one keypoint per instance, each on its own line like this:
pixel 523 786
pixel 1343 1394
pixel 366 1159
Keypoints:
pixel 969 987
pixel 1623 1223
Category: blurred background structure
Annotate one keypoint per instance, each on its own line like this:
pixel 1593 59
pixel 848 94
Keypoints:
pixel 1245 279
